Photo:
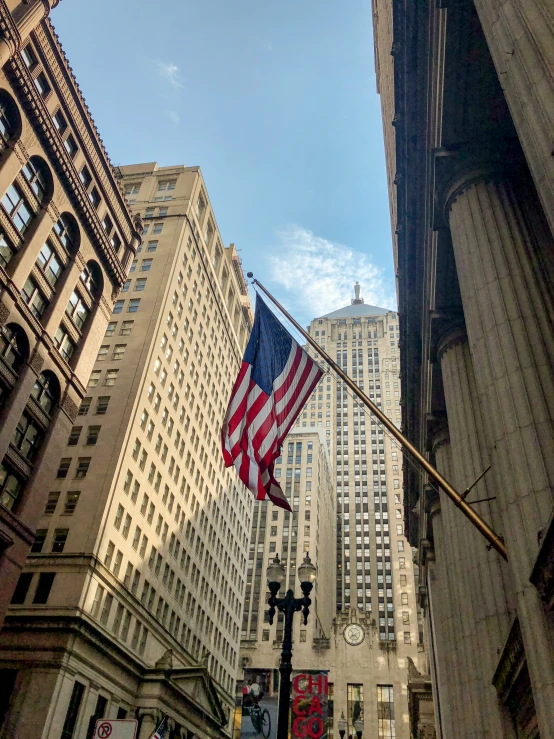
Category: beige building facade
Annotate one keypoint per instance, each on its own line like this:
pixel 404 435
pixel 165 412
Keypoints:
pixel 144 533
pixel 468 100
pixel 67 239
pixel 373 636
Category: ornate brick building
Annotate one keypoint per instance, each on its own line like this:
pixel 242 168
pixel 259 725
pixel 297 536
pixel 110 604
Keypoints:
pixel 468 99
pixel 66 240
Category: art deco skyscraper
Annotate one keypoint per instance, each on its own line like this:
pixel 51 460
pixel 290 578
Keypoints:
pixel 375 630
pixel 145 533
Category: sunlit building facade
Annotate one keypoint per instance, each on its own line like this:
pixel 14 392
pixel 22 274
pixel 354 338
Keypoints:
pixel 144 532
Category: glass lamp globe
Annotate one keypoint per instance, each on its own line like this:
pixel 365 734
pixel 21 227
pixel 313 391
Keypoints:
pixel 358 726
pixel 307 571
pixel 275 572
pixel 342 723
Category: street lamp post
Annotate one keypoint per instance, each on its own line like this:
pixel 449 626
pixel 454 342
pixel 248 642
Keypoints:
pixel 359 728
pixel 288 605
pixel 342 725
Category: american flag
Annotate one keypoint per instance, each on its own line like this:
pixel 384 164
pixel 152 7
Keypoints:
pixel 275 380
pixel 160 731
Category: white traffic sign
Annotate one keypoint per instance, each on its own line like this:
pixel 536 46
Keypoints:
pixel 111 728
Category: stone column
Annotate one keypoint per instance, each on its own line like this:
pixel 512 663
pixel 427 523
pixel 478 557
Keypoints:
pixel 520 37
pixel 509 326
pixel 25 18
pixel 483 570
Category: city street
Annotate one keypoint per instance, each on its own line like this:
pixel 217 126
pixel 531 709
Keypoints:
pixel 247 730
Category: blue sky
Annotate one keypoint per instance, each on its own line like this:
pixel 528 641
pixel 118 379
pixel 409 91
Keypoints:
pixel 276 102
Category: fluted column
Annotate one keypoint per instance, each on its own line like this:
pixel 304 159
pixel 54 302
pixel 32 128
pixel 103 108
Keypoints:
pixel 520 37
pixel 456 610
pixel 483 570
pixel 509 327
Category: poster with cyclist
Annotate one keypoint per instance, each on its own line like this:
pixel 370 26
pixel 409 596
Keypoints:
pixel 258 704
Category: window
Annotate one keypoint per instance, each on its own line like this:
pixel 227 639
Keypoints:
pixel 166 185
pixel 152 246
pixel 140 283
pixel 22 588
pixel 145 265
pixel 49 263
pixel 38 544
pixel 102 404
pixel 94 378
pixel 60 537
pixel 385 712
pixel 94 197
pixel 29 57
pixel 83 408
pixel 17 208
pixel 63 468
pixel 126 286
pixel 71 500
pixel 73 711
pixel 110 331
pixel 85 177
pixel 51 503
pixel 92 435
pixel 133 305
pixel 83 464
pixel 119 351
pixel 77 310
pixel 63 343
pixel 111 377
pixel 71 146
pixel 33 298
pixel 46 391
pixel 407 638
pixel 42 85
pixel 126 328
pixel 45 582
pixel 7 250
pixel 355 704
pixel 118 306
pixel 28 436
pixel 157 228
pixel 133 265
pixel 74 436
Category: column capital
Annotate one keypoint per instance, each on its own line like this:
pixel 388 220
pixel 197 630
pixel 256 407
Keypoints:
pixel 454 335
pixel 456 168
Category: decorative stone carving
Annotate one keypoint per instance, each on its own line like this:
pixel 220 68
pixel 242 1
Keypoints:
pixel 69 408
pixel 36 362
pixel 4 313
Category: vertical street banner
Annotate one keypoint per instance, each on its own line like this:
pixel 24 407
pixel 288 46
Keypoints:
pixel 256 704
pixel 309 709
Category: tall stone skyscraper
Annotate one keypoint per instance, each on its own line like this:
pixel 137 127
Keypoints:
pixel 375 631
pixel 144 535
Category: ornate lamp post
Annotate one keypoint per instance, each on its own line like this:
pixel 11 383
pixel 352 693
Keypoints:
pixel 288 605
pixel 342 724
pixel 359 727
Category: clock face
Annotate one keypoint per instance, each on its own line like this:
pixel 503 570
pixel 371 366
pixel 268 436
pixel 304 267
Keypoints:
pixel 354 634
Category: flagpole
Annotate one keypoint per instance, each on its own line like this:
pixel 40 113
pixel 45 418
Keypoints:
pixel 482 526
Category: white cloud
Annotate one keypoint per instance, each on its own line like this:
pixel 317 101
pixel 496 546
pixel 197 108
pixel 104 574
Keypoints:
pixel 170 72
pixel 173 116
pixel 320 274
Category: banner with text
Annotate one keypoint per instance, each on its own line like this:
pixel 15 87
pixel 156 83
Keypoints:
pixel 309 712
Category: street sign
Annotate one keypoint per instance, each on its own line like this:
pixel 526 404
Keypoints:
pixel 111 728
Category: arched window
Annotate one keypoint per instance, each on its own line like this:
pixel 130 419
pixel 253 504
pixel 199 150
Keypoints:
pixel 46 391
pixel 68 232
pixel 10 120
pixel 39 178
pixel 14 345
pixel 92 279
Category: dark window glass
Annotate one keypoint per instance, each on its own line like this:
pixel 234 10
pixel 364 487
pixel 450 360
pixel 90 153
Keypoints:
pixel 60 537
pixel 71 146
pixel 12 346
pixel 73 711
pixel 17 207
pixel 29 57
pixel 28 436
pixel 45 391
pixel 10 486
pixel 42 84
pixel 63 469
pixel 7 250
pixel 77 310
pixel 22 588
pixel 34 298
pixel 66 232
pixel 40 538
pixel 59 121
pixel 45 582
pixel 35 178
pixel 63 343
pixel 50 264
